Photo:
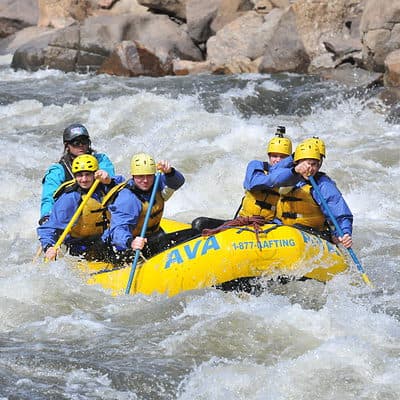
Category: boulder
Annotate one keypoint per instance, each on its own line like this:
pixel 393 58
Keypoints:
pixel 353 77
pixel 245 37
pixel 24 11
pixel 228 11
pixel 61 13
pixel 31 55
pixel 206 17
pixel 10 26
pixel 85 47
pixel 200 15
pixel 131 58
pixel 318 21
pixel 392 69
pixel 380 30
pixel 10 44
pixel 284 50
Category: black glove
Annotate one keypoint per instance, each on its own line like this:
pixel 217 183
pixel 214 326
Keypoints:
pixel 44 219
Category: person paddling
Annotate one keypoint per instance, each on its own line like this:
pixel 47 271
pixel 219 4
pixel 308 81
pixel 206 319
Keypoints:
pixel 76 142
pixel 303 207
pixel 91 223
pixel 129 204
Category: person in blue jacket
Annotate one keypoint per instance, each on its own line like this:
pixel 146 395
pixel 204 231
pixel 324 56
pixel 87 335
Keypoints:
pixel 300 205
pixel 262 179
pixel 261 183
pixel 76 142
pixel 90 225
pixel 128 206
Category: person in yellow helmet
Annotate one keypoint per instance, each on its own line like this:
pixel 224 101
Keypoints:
pixel 301 206
pixel 262 180
pixel 90 224
pixel 129 205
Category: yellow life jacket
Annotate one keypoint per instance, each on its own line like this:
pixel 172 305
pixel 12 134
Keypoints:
pixel 153 224
pixel 93 219
pixel 299 207
pixel 67 186
pixel 259 202
pixel 155 216
pixel 91 222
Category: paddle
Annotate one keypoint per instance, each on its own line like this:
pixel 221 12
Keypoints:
pixel 339 230
pixel 76 215
pixel 143 232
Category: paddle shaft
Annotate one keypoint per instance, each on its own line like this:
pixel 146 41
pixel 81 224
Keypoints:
pixel 143 231
pixel 339 229
pixel 76 215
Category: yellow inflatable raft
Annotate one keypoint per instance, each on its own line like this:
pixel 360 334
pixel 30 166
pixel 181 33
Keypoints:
pixel 226 256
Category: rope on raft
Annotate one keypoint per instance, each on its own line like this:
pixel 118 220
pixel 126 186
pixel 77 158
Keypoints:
pixel 255 221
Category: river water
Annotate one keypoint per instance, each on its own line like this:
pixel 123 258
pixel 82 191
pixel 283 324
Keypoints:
pixel 63 339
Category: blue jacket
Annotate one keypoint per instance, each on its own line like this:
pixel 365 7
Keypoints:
pixel 329 191
pixel 278 175
pixel 55 176
pixel 64 209
pixel 126 209
pixel 335 201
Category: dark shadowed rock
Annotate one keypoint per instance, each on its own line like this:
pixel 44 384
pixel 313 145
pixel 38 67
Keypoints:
pixel 131 58
pixel 173 8
pixel 31 56
pixel 10 26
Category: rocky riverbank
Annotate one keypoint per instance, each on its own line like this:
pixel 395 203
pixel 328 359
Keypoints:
pixel 354 41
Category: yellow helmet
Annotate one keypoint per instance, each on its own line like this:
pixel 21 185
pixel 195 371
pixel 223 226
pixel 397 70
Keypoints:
pixel 307 149
pixel 280 144
pixel 320 143
pixel 143 164
pixel 85 162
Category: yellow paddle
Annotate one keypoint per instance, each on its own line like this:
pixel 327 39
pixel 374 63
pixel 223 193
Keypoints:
pixel 76 215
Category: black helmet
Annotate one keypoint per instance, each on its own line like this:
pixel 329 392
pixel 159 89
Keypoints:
pixel 73 131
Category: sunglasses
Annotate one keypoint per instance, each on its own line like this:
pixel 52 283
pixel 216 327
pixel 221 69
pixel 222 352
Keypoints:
pixel 79 142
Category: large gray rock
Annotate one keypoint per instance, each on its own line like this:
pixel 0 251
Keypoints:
pixel 285 50
pixel 26 11
pixel 31 55
pixel 228 11
pixel 380 27
pixel 85 47
pixel 245 37
pixel 200 15
pixel 11 43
